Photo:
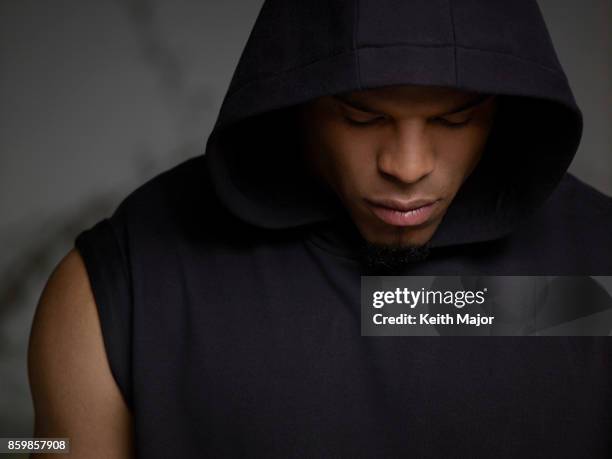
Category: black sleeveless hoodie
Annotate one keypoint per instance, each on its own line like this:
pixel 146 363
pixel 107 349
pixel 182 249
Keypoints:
pixel 228 287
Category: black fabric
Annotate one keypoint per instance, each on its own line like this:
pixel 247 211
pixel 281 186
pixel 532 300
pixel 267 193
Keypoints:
pixel 228 289
pixel 107 266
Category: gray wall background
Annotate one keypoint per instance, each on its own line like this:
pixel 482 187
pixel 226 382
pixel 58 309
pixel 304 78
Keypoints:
pixel 96 97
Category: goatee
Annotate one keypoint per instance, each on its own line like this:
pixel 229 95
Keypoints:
pixel 388 259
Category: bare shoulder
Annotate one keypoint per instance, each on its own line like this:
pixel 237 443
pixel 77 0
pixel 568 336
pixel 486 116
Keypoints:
pixel 72 386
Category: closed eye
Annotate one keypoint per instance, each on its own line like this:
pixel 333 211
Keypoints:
pixel 447 123
pixel 367 122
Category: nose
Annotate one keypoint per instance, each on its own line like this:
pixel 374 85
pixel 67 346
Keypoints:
pixel 408 154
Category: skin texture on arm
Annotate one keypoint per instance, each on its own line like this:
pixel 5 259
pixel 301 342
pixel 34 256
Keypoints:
pixel 73 390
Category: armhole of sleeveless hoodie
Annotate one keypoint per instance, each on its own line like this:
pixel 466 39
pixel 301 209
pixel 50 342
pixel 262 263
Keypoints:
pixel 107 267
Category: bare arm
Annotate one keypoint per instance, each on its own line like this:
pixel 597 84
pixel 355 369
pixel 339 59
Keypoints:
pixel 74 392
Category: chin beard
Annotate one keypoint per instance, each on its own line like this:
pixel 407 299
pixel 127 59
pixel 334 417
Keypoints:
pixel 389 259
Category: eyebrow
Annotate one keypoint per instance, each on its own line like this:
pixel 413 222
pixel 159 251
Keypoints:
pixel 346 99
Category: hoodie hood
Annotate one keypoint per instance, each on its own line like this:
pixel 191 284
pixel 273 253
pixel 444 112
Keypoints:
pixel 301 50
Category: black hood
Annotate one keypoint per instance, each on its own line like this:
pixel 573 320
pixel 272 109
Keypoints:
pixel 301 50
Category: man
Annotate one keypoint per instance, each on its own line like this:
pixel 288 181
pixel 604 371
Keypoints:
pixel 413 138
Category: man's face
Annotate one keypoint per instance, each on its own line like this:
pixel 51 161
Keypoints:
pixel 388 150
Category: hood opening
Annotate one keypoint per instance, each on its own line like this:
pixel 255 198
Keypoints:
pixel 259 175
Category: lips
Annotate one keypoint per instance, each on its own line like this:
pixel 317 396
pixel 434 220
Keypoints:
pixel 403 213
pixel 402 206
